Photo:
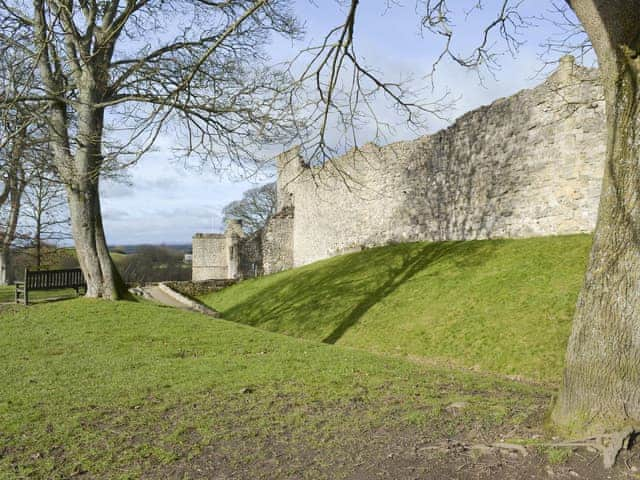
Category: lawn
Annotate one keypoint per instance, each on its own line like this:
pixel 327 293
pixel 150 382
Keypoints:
pixel 501 306
pixel 130 390
pixel 8 294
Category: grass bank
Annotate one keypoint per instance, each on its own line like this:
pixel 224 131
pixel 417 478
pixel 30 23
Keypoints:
pixel 130 389
pixel 502 306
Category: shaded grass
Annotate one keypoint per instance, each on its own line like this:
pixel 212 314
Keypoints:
pixel 503 306
pixel 114 390
pixel 8 294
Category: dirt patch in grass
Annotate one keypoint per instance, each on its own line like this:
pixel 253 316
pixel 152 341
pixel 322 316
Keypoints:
pixel 384 454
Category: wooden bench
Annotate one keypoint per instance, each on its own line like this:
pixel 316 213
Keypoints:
pixel 49 280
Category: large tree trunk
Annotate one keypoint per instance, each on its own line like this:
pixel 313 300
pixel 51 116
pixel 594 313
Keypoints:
pixel 5 266
pixel 601 387
pixel 81 172
pixel 102 277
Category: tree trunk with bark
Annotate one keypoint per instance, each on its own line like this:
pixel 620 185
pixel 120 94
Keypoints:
pixel 16 188
pixel 601 386
pixel 5 267
pixel 101 275
pixel 37 238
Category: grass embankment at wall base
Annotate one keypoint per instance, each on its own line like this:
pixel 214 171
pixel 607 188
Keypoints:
pixel 115 390
pixel 502 306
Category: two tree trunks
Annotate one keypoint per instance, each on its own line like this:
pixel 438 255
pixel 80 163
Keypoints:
pixel 100 273
pixel 601 385
pixel 81 174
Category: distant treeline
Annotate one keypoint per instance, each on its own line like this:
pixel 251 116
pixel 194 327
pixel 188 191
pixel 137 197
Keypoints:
pixel 129 249
pixel 152 263
pixel 136 263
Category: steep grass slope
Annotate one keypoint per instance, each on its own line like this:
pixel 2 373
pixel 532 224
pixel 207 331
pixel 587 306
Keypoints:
pixel 498 305
pixel 132 390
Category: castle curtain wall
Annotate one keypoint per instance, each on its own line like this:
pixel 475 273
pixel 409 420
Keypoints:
pixel 527 165
pixel 277 242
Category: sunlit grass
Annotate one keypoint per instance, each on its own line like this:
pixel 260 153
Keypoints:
pixel 503 306
pixel 115 389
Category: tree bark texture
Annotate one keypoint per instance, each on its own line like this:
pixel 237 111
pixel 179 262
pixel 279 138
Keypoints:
pixel 601 385
pixel 5 267
pixel 16 188
pixel 101 275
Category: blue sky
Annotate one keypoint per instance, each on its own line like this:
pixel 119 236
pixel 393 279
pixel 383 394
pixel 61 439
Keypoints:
pixel 165 203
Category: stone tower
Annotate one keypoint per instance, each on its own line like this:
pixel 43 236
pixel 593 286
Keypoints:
pixel 233 235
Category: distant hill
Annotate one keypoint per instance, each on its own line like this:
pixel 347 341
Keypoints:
pixel 128 249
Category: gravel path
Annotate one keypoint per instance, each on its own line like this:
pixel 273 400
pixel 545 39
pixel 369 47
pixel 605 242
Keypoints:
pixel 157 295
pixel 166 296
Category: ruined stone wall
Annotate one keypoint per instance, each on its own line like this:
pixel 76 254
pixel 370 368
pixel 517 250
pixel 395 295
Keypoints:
pixel 251 256
pixel 228 255
pixel 526 165
pixel 277 242
pixel 209 257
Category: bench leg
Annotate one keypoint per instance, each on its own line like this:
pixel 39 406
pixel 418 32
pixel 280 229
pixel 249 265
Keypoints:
pixel 19 294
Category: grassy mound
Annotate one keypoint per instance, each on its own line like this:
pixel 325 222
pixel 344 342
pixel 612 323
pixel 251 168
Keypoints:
pixel 501 305
pixel 118 390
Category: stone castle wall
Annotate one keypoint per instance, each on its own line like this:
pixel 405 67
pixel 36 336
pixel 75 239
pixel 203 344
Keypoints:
pixel 250 262
pixel 277 242
pixel 209 257
pixel 526 165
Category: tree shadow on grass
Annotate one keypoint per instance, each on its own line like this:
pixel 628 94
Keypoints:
pixel 412 264
pixel 323 301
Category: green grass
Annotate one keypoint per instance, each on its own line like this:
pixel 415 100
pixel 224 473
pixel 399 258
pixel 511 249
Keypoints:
pixel 121 389
pixel 118 257
pixel 502 306
pixel 8 294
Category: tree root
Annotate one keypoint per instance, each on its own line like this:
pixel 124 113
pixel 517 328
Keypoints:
pixel 619 441
pixel 609 445
pixel 482 447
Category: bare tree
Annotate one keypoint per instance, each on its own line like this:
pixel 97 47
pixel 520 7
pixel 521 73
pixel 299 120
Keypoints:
pixel 602 373
pixel 336 95
pixel 45 215
pixel 255 207
pixel 13 185
pixel 18 137
pixel 112 75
